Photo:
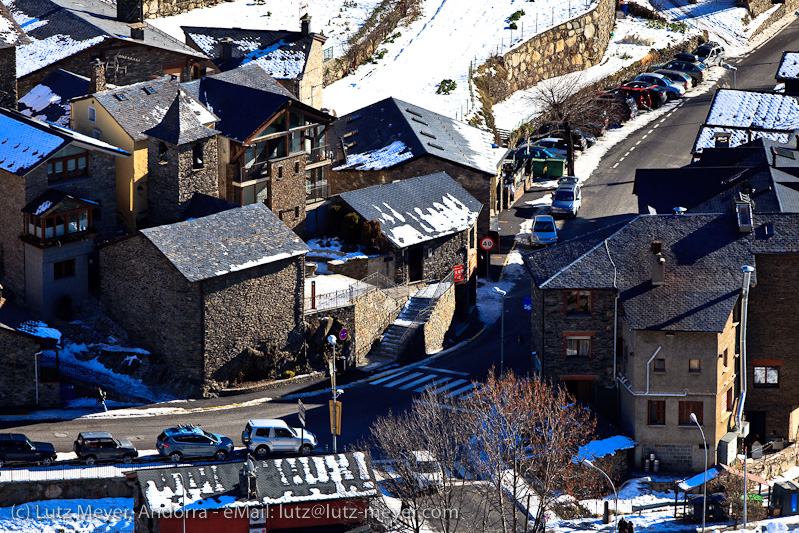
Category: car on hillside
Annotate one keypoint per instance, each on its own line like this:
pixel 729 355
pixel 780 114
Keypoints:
pixel 544 231
pixel 187 440
pixel 657 95
pixel 17 448
pixel 529 151
pixel 697 71
pixel 265 436
pixel 567 200
pixel 568 179
pixel 618 106
pixel 710 53
pixel 673 91
pixel 94 446
pixel 677 77
pixel 427 470
pixel 557 146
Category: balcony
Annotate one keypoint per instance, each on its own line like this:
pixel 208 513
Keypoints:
pixel 315 193
pixel 317 155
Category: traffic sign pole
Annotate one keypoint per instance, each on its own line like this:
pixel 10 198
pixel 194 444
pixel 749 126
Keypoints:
pixel 301 415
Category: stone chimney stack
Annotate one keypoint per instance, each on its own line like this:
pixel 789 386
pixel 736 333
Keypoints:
pixel 658 263
pixel 97 78
pixel 8 77
pixel 137 30
pixel 225 49
pixel 305 24
pixel 130 11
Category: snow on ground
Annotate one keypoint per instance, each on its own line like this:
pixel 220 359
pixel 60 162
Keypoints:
pixel 105 515
pixel 489 303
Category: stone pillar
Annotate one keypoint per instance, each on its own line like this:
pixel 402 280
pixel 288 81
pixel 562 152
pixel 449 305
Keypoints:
pixel 97 77
pixel 8 77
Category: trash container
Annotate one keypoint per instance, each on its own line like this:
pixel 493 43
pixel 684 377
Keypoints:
pixel 538 167
pixel 553 168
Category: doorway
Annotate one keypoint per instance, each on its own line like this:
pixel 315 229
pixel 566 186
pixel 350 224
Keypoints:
pixel 581 388
pixel 415 266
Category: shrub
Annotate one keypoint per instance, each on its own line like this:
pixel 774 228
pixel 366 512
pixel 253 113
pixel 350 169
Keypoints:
pixel 288 374
pixel 64 308
pixel 513 26
pixel 516 16
pixel 351 226
pixel 446 86
pixel 371 236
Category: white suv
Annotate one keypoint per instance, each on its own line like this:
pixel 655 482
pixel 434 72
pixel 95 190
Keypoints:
pixel 269 435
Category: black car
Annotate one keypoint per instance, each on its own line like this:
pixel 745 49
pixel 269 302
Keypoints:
pixel 617 106
pixel 17 448
pixel 96 446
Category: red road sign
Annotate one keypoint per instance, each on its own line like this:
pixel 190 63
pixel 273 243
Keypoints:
pixel 487 243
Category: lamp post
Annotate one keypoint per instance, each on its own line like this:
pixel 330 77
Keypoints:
pixel 588 463
pixel 704 485
pixel 734 73
pixel 497 290
pixel 331 339
pixel 183 484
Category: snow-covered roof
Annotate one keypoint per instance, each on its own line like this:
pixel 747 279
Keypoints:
pixel 738 136
pixel 49 101
pixel 233 240
pixel 789 66
pixel 416 209
pixel 750 109
pixel 278 481
pixel 385 157
pixel 597 449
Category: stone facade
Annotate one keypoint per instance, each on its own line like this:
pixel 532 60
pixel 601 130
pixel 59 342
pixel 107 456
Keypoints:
pixel 17 381
pixel 8 77
pixel 12 251
pixel 286 196
pixel 173 180
pixel 438 323
pixel 164 8
pixel 312 81
pixel 360 267
pixel 21 492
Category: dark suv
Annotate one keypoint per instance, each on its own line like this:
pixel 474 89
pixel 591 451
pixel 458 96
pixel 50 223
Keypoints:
pixel 17 448
pixel 96 446
pixel 191 441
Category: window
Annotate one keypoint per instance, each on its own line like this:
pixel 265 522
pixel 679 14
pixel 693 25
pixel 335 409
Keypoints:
pixel 767 376
pixel 657 412
pixel 197 156
pixel 74 165
pixel 578 302
pixel 283 433
pixel 660 365
pixel 729 401
pixel 57 225
pixel 296 212
pixel 694 366
pixel 686 408
pixel 296 167
pixel 97 134
pixel 92 114
pixel 578 346
pixel 162 153
pixel 725 356
pixel 64 269
pixel 279 172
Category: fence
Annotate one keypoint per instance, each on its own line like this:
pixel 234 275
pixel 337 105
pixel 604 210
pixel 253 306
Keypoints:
pixel 345 297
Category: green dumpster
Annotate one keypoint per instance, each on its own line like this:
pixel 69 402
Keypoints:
pixel 538 167
pixel 550 168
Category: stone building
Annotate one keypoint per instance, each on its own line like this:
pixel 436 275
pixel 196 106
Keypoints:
pixel 272 147
pixel 430 227
pixel 208 296
pixel 56 200
pixel 159 124
pixel 394 140
pixel 71 36
pixel 649 312
pixel 293 58
pixel 23 383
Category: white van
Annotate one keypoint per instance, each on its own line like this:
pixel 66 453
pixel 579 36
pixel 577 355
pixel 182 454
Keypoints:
pixel 269 435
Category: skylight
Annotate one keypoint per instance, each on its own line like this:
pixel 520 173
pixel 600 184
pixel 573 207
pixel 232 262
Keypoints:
pixel 426 134
pixel 149 89
pixel 419 121
pixel 434 145
pixel 412 112
pixel 121 97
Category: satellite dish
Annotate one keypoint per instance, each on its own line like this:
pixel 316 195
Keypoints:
pixel 250 465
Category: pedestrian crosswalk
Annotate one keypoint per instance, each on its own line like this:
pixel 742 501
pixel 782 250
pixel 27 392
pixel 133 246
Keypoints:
pixel 444 381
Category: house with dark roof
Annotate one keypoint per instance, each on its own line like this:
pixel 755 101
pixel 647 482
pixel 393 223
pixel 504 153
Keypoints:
pixel 394 140
pixel 69 35
pixel 294 58
pixel 737 117
pixel 429 230
pixel 172 139
pixel 229 289
pixel 272 148
pixel 650 310
pixel 49 101
pixel 763 173
pixel 56 200
pixel 788 72
pixel 317 493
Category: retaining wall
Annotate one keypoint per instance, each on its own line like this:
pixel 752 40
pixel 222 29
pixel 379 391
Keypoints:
pixel 18 492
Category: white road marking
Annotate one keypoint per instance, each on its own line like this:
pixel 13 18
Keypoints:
pixel 628 152
pixel 614 166
pixel 418 381
pixel 451 385
pixel 444 370
pixel 431 385
pixel 392 376
pixel 467 388
pixel 403 379
pixel 645 136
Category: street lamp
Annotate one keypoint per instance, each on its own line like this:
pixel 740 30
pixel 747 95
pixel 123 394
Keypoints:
pixel 586 462
pixel 497 290
pixel 331 339
pixel 704 485
pixel 734 73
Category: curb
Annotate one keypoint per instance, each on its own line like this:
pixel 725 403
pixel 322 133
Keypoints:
pixel 304 378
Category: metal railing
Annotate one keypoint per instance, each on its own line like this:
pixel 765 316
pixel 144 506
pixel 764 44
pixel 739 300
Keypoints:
pixel 318 154
pixel 316 192
pixel 421 316
pixel 345 297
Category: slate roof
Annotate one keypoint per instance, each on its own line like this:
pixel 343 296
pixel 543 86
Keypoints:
pixel 226 242
pixel 202 205
pixel 10 31
pixel 60 28
pixel 283 480
pixel 739 136
pixel 283 54
pixel 140 107
pixel 417 209
pixel 703 255
pixel 49 101
pixel 25 142
pixel 392 131
pixel 52 201
pixel 789 66
pixel 181 123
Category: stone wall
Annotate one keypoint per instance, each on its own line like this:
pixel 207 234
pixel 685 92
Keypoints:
pixel 17 382
pixel 771 466
pixel 312 81
pixel 445 254
pixel 374 312
pixel 164 8
pixel 8 77
pixel 12 252
pixel 19 493
pixel 673 457
pixel 360 267
pixel 438 323
pixel 287 193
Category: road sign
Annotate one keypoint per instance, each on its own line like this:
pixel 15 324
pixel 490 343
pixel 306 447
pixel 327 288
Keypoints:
pixel 343 334
pixel 335 417
pixel 487 244
pixel 528 303
pixel 459 273
pixel 301 412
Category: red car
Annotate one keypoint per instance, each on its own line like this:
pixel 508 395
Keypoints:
pixel 641 96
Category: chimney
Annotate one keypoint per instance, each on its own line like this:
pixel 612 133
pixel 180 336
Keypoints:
pixel 97 77
pixel 137 30
pixel 130 11
pixel 225 49
pixel 8 77
pixel 658 263
pixel 248 486
pixel 305 24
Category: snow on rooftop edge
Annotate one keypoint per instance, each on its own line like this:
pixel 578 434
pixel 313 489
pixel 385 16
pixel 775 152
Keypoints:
pixel 600 448
pixel 789 67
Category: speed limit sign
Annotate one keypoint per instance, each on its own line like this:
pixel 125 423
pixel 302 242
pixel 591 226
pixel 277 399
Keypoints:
pixel 487 243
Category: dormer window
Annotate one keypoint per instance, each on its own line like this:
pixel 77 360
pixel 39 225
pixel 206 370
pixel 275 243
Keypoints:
pixel 69 163
pixel 744 213
pixel 58 225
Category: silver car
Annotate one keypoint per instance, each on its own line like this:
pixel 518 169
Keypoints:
pixel 544 231
pixel 270 435
pixel 567 200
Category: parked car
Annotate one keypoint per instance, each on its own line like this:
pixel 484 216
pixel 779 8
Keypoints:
pixel 567 200
pixel 187 440
pixel 642 97
pixel 673 90
pixel 530 151
pixel 556 146
pixel 17 448
pixel 568 179
pixel 557 131
pixel 657 94
pixel 697 71
pixel 544 231
pixel 265 436
pixel 427 470
pixel 677 77
pixel 619 107
pixel 93 446
pixel 710 53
